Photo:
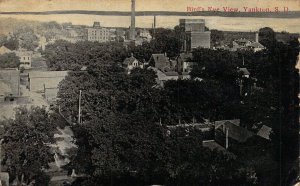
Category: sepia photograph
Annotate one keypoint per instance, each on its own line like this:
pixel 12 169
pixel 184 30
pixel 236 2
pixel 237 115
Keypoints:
pixel 149 93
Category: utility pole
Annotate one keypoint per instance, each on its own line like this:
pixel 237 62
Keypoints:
pixel 227 140
pixel 79 107
pixel 1 155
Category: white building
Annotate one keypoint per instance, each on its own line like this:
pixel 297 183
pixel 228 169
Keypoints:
pixel 25 58
pixel 131 63
pixel 98 33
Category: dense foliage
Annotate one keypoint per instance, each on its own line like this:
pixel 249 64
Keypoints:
pixel 120 138
pixel 26 153
pixel 9 60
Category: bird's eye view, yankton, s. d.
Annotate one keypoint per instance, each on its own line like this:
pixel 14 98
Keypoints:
pixel 125 93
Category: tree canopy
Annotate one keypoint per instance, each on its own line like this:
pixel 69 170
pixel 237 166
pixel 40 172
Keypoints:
pixel 25 145
pixel 9 60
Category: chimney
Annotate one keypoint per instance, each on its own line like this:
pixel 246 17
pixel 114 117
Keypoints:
pixel 132 27
pixel 256 37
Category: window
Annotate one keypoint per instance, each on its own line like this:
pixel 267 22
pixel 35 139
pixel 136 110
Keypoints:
pixel 24 58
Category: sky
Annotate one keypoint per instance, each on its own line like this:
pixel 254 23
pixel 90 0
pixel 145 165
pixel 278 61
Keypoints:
pixel 222 23
pixel 141 5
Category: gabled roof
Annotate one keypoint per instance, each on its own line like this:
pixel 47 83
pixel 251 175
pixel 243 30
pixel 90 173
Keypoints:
pixel 264 132
pixel 4 50
pixel 235 132
pixel 160 61
pixel 221 122
pixel 244 71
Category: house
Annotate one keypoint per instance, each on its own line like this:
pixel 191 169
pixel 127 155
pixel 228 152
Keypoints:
pixel 245 44
pixel 256 46
pixel 221 122
pixel 25 58
pixel 162 77
pixel 41 80
pixel 244 71
pixel 159 61
pixel 232 131
pixel 4 50
pixel 9 84
pixel 184 63
pixel 131 63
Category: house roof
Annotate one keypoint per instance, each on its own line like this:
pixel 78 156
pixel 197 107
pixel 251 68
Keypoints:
pixel 242 40
pixel 4 88
pixel 129 60
pixel 47 74
pixel 237 133
pixel 195 125
pixel 244 71
pixel 160 61
pixel 11 77
pixel 213 145
pixel 221 122
pixel 4 50
pixel 264 132
pixel 23 52
pixel 256 45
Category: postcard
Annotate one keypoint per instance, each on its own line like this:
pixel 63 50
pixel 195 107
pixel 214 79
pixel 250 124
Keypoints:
pixel 160 92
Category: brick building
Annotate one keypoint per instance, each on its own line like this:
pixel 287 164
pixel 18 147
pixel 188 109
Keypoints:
pixel 98 33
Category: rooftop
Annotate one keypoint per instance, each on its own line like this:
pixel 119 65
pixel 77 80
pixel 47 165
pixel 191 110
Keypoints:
pixel 264 132
pixel 4 50
pixel 47 74
pixel 11 77
pixel 235 132
pixel 244 71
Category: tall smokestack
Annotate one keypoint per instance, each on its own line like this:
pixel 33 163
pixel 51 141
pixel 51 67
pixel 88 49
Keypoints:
pixel 154 26
pixel 132 27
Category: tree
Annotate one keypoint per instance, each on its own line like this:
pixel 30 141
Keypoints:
pixel 9 60
pixel 12 44
pixel 217 37
pixel 167 41
pixel 25 145
pixel 267 37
